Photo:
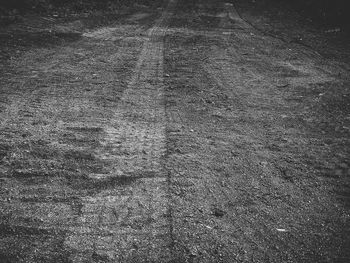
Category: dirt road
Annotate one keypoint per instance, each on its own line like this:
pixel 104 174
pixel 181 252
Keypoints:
pixel 191 131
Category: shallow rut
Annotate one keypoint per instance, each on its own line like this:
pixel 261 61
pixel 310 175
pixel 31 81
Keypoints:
pixel 133 224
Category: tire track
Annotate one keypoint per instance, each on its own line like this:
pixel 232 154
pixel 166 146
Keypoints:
pixel 131 223
pixel 249 230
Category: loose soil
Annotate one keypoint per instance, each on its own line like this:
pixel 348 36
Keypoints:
pixel 191 131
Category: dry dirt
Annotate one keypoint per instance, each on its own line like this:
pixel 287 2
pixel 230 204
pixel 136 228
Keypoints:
pixel 198 131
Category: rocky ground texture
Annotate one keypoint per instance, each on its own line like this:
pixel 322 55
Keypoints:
pixel 188 131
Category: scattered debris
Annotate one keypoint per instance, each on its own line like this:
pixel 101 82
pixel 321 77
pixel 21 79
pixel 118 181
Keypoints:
pixel 282 85
pixel 281 230
pixel 334 30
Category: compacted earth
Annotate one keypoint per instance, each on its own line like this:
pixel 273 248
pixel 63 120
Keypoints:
pixel 185 131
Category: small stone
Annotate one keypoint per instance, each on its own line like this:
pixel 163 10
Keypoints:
pixel 218 212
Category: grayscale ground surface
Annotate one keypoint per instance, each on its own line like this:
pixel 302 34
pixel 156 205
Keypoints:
pixel 192 132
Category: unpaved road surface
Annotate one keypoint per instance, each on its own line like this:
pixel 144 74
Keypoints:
pixel 191 131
